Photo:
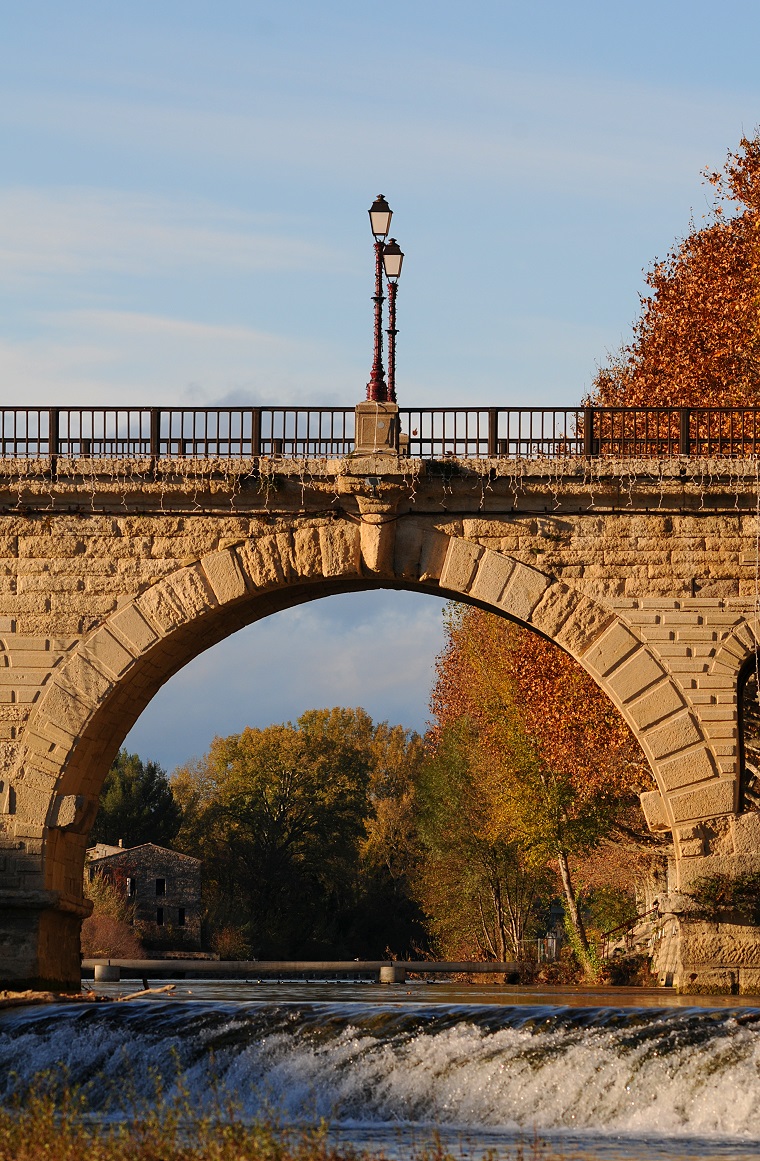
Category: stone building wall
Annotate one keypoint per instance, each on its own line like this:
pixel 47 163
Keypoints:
pixel 160 881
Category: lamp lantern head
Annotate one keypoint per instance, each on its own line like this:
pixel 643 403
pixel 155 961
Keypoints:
pixel 380 214
pixel 392 260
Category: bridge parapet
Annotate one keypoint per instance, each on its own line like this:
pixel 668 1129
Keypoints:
pixel 298 431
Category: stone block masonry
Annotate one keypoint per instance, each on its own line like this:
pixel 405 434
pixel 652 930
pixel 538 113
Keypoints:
pixel 113 576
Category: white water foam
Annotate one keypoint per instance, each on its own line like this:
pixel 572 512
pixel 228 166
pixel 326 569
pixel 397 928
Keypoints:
pixel 669 1074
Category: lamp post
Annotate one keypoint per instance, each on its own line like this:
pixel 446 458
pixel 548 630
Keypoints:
pixel 380 214
pixel 393 259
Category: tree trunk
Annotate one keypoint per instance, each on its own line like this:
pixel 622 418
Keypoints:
pixel 500 925
pixel 486 932
pixel 574 914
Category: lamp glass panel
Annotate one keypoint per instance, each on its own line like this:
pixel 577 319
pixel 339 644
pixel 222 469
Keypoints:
pixel 380 220
pixel 392 261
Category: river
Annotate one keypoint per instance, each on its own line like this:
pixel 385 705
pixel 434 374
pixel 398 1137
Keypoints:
pixel 624 1073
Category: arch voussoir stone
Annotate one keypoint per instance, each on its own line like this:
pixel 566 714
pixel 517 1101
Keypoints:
pixel 225 576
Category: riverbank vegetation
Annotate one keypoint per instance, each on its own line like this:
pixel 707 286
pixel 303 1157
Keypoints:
pixel 51 1120
pixel 306 836
pixel 531 773
pixel 109 930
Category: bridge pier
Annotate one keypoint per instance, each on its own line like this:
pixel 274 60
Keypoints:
pixel 113 575
pixel 40 940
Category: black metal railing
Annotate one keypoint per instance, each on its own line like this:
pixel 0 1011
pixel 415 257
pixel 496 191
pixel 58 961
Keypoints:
pixel 532 433
pixel 625 933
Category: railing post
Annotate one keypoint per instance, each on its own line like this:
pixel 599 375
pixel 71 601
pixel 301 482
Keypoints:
pixel 493 432
pixel 256 433
pixel 588 433
pixel 54 438
pixel 155 433
pixel 684 435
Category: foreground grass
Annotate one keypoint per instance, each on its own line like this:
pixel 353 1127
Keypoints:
pixel 50 1118
pixel 48 1128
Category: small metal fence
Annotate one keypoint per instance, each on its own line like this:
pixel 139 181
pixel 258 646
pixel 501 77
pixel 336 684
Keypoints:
pixel 175 433
pixel 428 433
pixel 544 949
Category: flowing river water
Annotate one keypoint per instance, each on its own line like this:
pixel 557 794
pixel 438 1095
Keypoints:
pixel 636 1074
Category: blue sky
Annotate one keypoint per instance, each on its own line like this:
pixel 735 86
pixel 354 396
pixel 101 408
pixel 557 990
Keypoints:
pixel 183 220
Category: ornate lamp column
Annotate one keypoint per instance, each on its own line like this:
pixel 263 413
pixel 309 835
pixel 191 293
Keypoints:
pixel 377 421
pixel 393 259
pixel 380 214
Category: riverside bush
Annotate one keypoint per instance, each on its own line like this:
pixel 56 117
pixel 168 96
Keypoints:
pixel 717 896
pixel 51 1121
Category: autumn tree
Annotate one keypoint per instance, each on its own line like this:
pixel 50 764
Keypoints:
pixel 553 754
pixel 697 340
pixel 303 832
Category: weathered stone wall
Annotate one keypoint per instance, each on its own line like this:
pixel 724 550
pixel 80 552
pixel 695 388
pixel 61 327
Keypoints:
pixel 111 580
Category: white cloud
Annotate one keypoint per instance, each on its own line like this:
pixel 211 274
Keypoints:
pixel 78 231
pixel 373 649
pixel 141 325
pixel 131 358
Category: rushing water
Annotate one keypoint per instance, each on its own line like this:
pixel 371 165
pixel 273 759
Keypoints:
pixel 645 1076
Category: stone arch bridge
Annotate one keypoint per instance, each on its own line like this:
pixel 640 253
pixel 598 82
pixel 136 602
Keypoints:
pixel 114 573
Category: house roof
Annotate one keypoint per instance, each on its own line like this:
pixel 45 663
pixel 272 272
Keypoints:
pixel 142 847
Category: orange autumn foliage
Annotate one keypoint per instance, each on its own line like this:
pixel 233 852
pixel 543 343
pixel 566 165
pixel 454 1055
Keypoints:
pixel 575 729
pixel 697 340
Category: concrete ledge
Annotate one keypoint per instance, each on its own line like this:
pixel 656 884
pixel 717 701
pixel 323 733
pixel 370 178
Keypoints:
pixel 255 967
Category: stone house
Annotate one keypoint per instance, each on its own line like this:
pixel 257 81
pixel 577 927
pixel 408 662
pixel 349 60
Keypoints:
pixel 164 887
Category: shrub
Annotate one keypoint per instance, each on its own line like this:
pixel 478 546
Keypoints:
pixel 717 895
pixel 230 943
pixel 108 932
pixel 104 937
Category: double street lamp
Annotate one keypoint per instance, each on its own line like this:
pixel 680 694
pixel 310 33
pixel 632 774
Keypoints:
pixel 388 260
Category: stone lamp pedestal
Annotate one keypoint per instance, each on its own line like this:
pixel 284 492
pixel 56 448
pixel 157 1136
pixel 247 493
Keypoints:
pixel 377 429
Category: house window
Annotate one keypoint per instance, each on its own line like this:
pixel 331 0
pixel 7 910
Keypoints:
pixel 131 887
pixel 160 886
pixel 180 917
pixel 159 916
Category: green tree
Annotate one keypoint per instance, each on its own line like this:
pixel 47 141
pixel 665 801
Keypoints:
pixel 388 918
pixel 483 894
pixel 277 815
pixel 303 829
pixel 137 804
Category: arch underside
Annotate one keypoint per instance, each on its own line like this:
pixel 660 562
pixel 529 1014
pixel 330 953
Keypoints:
pixel 97 694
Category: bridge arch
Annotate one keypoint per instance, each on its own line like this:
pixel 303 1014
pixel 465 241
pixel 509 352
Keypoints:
pixel 105 682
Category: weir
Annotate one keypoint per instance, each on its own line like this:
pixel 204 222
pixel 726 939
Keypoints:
pixel 667 1081
pixel 127 551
